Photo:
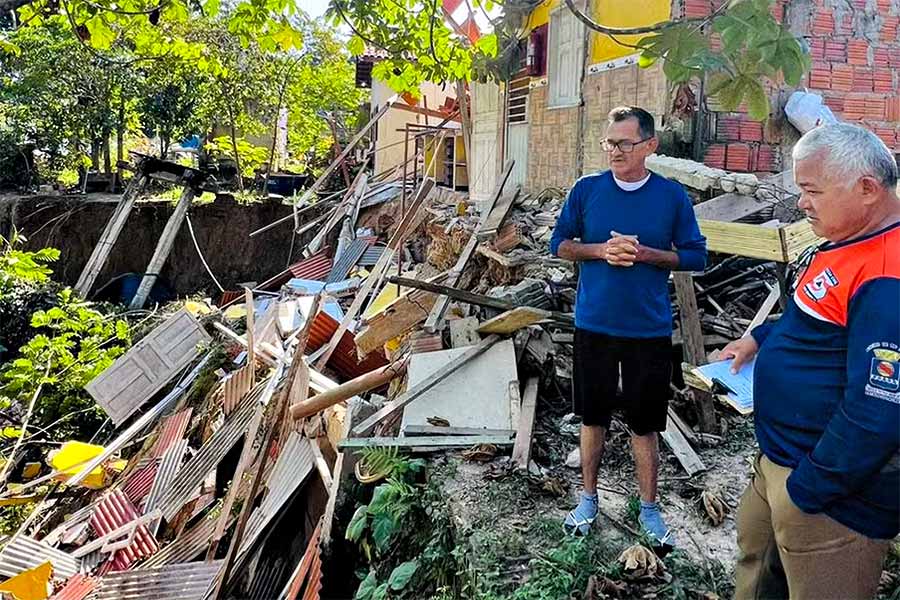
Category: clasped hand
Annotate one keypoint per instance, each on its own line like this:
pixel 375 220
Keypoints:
pixel 622 250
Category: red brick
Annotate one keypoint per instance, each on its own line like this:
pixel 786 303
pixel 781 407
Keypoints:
pixel 854 108
pixel 715 42
pixel 884 6
pixel 889 29
pixel 862 79
pixel 892 109
pixel 697 8
pixel 835 51
pixel 817 49
pixel 777 11
pixel 875 108
pixel 751 131
pixel 883 80
pixel 737 158
pixel 835 103
pixel 765 158
pixel 888 135
pixel 823 24
pixel 883 56
pixel 857 52
pixel 728 129
pixel 715 156
pixel 820 79
pixel 860 4
pixel 841 78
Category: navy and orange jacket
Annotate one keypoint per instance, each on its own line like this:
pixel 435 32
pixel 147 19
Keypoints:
pixel 827 385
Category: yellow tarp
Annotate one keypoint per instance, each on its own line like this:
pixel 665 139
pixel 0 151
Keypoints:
pixel 32 584
pixel 72 456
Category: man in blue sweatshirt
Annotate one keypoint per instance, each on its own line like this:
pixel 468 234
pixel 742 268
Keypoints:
pixel 627 228
pixel 815 521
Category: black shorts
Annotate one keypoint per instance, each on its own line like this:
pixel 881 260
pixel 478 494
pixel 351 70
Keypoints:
pixel 646 367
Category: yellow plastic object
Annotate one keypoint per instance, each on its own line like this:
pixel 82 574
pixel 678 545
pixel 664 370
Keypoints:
pixel 33 584
pixel 72 456
pixel 31 470
pixel 235 311
pixel 197 307
pixel 387 295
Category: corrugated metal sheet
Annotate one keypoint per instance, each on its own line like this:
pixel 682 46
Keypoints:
pixel 149 365
pixel 236 387
pixel 193 473
pixel 293 465
pixel 168 469
pixel 114 511
pixel 22 553
pixel 69 529
pixel 276 281
pixel 93 560
pixel 185 547
pixel 229 296
pixel 138 485
pixel 266 578
pixel 371 255
pixel 186 581
pixel 344 359
pixel 348 260
pixel 171 431
pixel 311 565
pixel 315 267
pixel 76 588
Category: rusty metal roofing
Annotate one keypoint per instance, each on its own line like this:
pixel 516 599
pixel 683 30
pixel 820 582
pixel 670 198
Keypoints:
pixel 344 358
pixel 185 547
pixel 315 267
pixel 236 387
pixel 76 588
pixel 114 511
pixel 22 553
pixel 293 465
pixel 172 430
pixel 139 483
pixel 185 581
pixel 192 474
pixel 348 259
pixel 311 565
pixel 229 296
pixel 168 469
pixel 268 574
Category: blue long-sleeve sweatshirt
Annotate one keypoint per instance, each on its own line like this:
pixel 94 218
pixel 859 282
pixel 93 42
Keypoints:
pixel 827 385
pixel 629 301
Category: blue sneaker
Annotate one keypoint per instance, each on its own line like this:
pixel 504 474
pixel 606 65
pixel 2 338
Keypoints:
pixel 579 520
pixel 653 524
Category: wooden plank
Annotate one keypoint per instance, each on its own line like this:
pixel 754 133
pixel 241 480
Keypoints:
pixel 682 450
pixel 435 319
pixel 729 207
pixel 464 332
pixel 796 238
pixel 515 404
pixel 440 441
pixel 398 317
pixel 754 241
pixel 498 215
pixel 764 309
pixel 378 270
pixel 421 388
pixel 337 474
pixel 522 449
pixel 163 248
pixel 321 465
pixel 251 340
pixel 682 426
pixel 435 430
pixel 514 320
pixel 692 344
pixel 111 233
pixel 147 366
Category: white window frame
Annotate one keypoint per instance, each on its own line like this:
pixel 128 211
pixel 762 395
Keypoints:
pixel 565 58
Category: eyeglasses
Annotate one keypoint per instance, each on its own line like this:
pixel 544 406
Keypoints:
pixel 624 145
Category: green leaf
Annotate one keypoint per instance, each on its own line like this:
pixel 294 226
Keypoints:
pixel 645 61
pixel 383 527
pixel 357 525
pixel 757 101
pixel 367 587
pixel 730 95
pixel 487 44
pixel 9 47
pixel 401 575
pixel 381 592
pixel 356 45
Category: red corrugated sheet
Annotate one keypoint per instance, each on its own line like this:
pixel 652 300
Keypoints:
pixel 344 358
pixel 316 267
pixel 77 588
pixel 111 513
pixel 140 482
pixel 172 430
pixel 309 571
pixel 229 296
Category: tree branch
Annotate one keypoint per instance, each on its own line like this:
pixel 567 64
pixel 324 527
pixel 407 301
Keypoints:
pixel 591 24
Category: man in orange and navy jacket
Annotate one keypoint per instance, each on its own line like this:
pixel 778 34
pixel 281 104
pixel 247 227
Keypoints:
pixel 816 519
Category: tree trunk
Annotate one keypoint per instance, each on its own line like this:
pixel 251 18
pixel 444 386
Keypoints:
pixel 120 141
pixel 237 158
pixel 95 154
pixel 107 159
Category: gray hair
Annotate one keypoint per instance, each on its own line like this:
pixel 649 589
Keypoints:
pixel 850 152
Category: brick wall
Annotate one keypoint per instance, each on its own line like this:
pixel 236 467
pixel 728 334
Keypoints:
pixel 552 143
pixel 855 51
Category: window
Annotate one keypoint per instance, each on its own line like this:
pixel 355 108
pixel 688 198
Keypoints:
pixel 565 58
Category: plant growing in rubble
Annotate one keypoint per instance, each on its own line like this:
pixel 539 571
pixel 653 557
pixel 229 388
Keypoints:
pixel 74 343
pixel 21 266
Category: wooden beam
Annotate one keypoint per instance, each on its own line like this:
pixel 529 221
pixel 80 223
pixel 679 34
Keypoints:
pixel 114 227
pixel 522 448
pixel 395 319
pixel 337 475
pixel 435 319
pixel 347 390
pixel 390 408
pixel 438 441
pixel 376 272
pixel 494 220
pixel 764 310
pixel 427 112
pixel 692 345
pixel 163 248
pixel 729 207
pixel 321 465
pixel 676 441
pixel 514 320
pixel 433 430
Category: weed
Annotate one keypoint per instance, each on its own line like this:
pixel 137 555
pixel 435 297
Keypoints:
pixel 633 509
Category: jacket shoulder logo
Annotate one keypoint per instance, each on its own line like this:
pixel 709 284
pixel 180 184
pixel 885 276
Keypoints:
pixel 818 287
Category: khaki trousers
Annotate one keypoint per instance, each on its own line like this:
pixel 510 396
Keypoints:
pixel 787 553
